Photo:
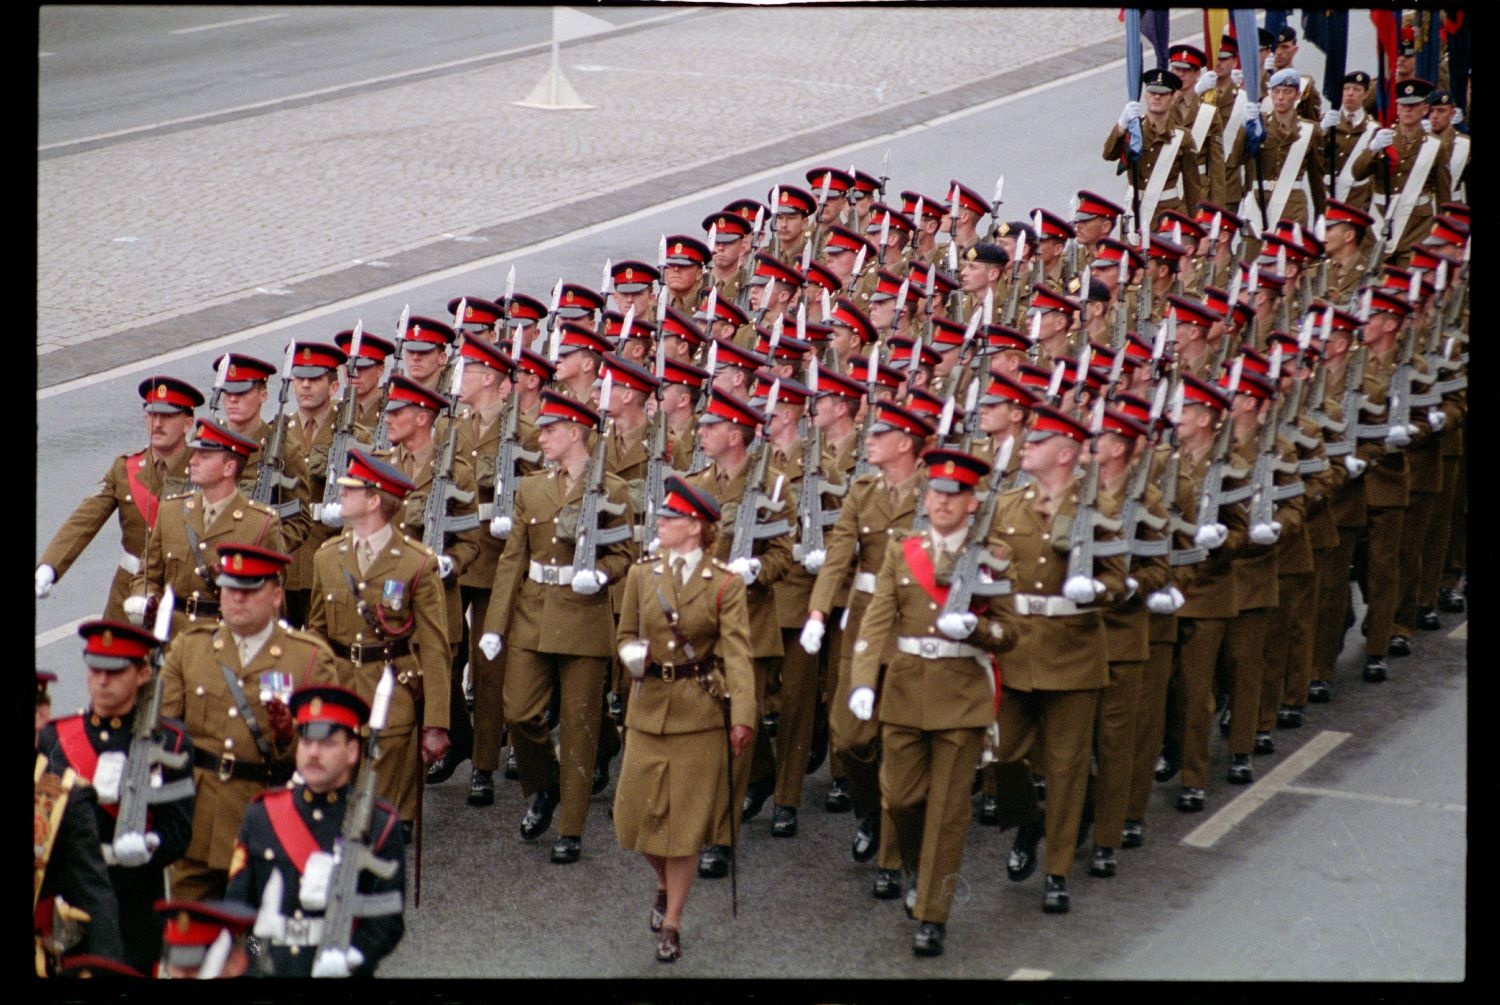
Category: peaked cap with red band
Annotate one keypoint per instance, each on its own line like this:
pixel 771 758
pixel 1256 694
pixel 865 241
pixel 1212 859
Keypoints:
pixel 614 327
pixel 728 226
pixel 770 267
pixel 1054 227
pixel 684 499
pixel 932 208
pixel 788 391
pixel 839 181
pixel 628 374
pixel 477 310
pixel 923 402
pixel 847 314
pixel 244 372
pixel 1048 421
pixel 191 926
pixel 316 710
pixel 1228 222
pixel 1169 219
pixel 733 354
pixel 724 310
pixel 406 392
pixel 525 309
pixel 947 333
pixel 968 198
pixel 885 376
pixel 724 406
pixel 166 395
pixel 1122 425
pixel 675 323
pixel 210 434
pixel 561 408
pixel 684 249
pixel 890 417
pixel 248 566
pixel 791 199
pixel 879 212
pixel 1217 300
pixel 841 239
pixel 788 347
pixel 424 334
pixel 484 353
pixel 1001 338
pixel 373 349
pixel 1200 392
pixel 368 472
pixel 114 645
pixel 314 359
pixel 822 276
pixel 534 362
pixel 838 384
pixel 1092 205
pixel 1044 299
pixel 576 336
pixel 1188 311
pixel 1005 390
pixel 901 350
pixel 631 276
pixel 951 471
pixel 674 371
pixel 577 301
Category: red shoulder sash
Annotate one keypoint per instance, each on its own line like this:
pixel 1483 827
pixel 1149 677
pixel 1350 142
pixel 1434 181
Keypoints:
pixel 145 500
pixel 291 830
pixel 81 754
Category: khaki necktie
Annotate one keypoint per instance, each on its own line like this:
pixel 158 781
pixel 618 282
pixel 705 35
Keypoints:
pixel 365 555
pixel 676 577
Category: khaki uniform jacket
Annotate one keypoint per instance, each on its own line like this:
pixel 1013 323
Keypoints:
pixel 545 617
pixel 1273 154
pixel 1211 154
pixel 1388 480
pixel 1211 592
pixel 114 495
pixel 713 617
pixel 1127 624
pixel 1345 137
pixel 401 588
pixel 795 588
pixel 314 457
pixel 1436 187
pixel 1256 568
pixel 480 572
pixel 193 690
pixel 463 547
pixel 955 692
pixel 1184 170
pixel 294 529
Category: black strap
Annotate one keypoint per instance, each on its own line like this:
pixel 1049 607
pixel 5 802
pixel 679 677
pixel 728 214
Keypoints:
pixel 198 566
pixel 243 704
pixel 364 608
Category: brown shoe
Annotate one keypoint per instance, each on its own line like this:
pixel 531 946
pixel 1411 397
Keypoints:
pixel 659 910
pixel 670 946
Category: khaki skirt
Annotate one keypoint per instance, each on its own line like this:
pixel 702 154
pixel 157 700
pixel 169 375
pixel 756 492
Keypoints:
pixel 671 792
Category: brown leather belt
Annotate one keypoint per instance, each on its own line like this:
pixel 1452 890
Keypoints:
pixel 686 671
pixel 371 652
pixel 226 766
pixel 197 607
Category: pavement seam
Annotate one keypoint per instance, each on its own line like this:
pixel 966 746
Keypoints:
pixel 1257 795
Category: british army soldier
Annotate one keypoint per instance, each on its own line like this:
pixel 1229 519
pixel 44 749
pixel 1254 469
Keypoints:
pixel 134 487
pixel 228 683
pixel 1166 172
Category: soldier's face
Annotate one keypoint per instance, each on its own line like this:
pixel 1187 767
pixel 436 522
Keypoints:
pixel 246 612
pixel 1225 65
pixel 790 227
pixel 244 409
pixel 677 533
pixel 831 208
pixel 327 763
pixel 718 438
pixel 401 424
pixel 168 431
pixel 1441 117
pixel 1406 67
pixel 678 348
pixel 367 379
pixel 207 468
pixel 673 398
pixel 727 253
pixel 644 302
pixel 974 277
pixel 313 392
pixel 1354 97
pixel 112 692
pixel 557 439
pixel 883 313
pixel 840 261
pixel 947 511
pixel 422 366
pixel 1051 249
pixel 844 341
pixel 1283 99
pixel 1285 53
pixel 1410 116
pixel 680 278
pixel 472 383
pixel 1158 103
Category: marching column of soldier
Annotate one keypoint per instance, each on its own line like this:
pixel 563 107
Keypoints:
pixel 1018 511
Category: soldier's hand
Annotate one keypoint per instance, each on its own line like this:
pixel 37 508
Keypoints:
pixel 1355 465
pixel 1382 139
pixel 1435 418
pixel 108 771
pixel 1265 533
pixel 739 739
pixel 587 582
pixel 746 568
pixel 1269 65
pixel 1238 76
pixel 435 743
pixel 1330 118
pixel 332 516
pixel 813 560
pixel 1082 589
pixel 280 718
pixel 133 850
pixel 445 566
pixel 500 527
pixel 135 610
pixel 312 891
pixel 811 639
pixel 862 703
pixel 45 577
pixel 1165 601
pixel 1397 437
pixel 1206 82
pixel 1211 536
pixel 1132 111
pixel 957 625
pixel 337 962
pixel 490 645
pixel 1131 585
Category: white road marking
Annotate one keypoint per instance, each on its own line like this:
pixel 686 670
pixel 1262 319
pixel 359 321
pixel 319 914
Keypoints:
pixel 52 635
pixel 1367 797
pixel 1028 974
pixel 1461 632
pixel 327 91
pixel 227 24
pixel 501 258
pixel 44 55
pixel 1221 823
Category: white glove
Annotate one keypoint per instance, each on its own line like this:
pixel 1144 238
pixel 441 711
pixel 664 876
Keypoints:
pixel 500 527
pixel 1354 465
pixel 135 609
pixel 1269 65
pixel 46 576
pixel 312 892
pixel 1252 113
pixel 746 568
pixel 1206 82
pixel 1397 437
pixel 133 850
pixel 337 962
pixel 1331 118
pixel 588 582
pixel 862 703
pixel 957 625
pixel 1265 533
pixel 1238 76
pixel 1082 589
pixel 445 566
pixel 1133 110
pixel 1458 115
pixel 1382 139
pixel 1212 536
pixel 489 644
pixel 1435 418
pixel 633 655
pixel 813 560
pixel 1131 585
pixel 107 774
pixel 332 516
pixel 1165 601
pixel 811 639
pixel 652 547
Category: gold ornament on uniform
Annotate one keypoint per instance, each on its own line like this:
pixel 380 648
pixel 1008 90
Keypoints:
pixel 315 707
pixel 972 254
pixel 184 922
pixel 677 248
pixel 306 352
pixel 107 639
pixel 161 390
pixel 629 274
pixel 948 467
pixel 237 562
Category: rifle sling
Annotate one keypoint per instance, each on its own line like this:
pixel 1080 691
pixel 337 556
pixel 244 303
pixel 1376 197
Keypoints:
pixel 242 704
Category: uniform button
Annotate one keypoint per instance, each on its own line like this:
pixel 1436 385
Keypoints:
pixel 1041 560
pixel 671 644
pixel 361 586
pixel 295 950
pixel 864 530
pixel 270 855
pixel 905 581
pixel 931 606
pixel 1046 537
pixel 298 913
pixel 233 714
pixel 127 497
pixel 1039 586
pixel 329 597
pixel 198 690
pixel 317 814
pixel 1010 530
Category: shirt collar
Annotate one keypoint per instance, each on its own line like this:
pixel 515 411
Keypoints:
pixel 690 560
pixel 378 540
pixel 252 644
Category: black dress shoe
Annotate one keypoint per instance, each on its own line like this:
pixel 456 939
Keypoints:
pixel 539 814
pixel 1318 692
pixel 1167 765
pixel 1240 771
pixel 1451 601
pixel 1264 744
pixel 1021 862
pixel 442 769
pixel 1055 897
pixel 1375 669
pixel 669 946
pixel 566 849
pixel 929 939
pixel 1190 800
pixel 867 838
pixel 769 722
pixel 1288 717
pixel 713 862
pixel 1399 645
pixel 481 788
pixel 989 811
pixel 659 910
pixel 784 822
pixel 1427 620
pixel 887 884
pixel 756 794
pixel 1103 863
pixel 511 771
pixel 1134 834
pixel 837 800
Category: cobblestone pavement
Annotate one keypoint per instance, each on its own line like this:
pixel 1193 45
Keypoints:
pixel 163 226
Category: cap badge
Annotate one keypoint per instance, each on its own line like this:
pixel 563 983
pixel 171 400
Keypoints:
pixel 677 248
pixel 183 922
pixel 315 707
pixel 629 274
pixel 948 468
pixel 107 638
pixel 237 562
pixel 161 390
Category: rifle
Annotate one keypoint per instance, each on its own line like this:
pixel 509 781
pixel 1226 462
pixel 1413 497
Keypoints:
pixel 508 454
pixel 811 516
pixel 589 534
pixel 965 583
pixel 995 207
pixel 862 465
pixel 1013 295
pixel 656 458
pixel 1212 278
pixel 919 520
pixel 436 521
pixel 145 755
pixel 747 271
pixel 746 530
pixel 271 475
pixel 711 363
pixel 343 426
pixel 970 426
pixel 220 376
pixel 1175 523
pixel 352 853
pixel 1075 533
pixel 1133 512
pixel 1213 495
pixel 1264 492
pixel 382 434
pixel 1143 295
pixel 1353 402
pixel 1232 299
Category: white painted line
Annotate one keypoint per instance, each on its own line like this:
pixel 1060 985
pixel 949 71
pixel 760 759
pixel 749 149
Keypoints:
pixel 1222 822
pixel 1028 974
pixel 1308 790
pixel 44 55
pixel 1461 632
pixel 326 91
pixel 501 258
pixel 60 632
pixel 227 24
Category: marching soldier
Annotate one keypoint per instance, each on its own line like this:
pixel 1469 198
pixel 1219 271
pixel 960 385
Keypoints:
pixel 95 745
pixel 1349 130
pixel 1346 227
pixel 1286 175
pixel 205 939
pixel 424 352
pixel 1414 181
pixel 1442 119
pixel 1201 118
pixel 1165 174
pixel 682 272
pixel 287 836
pixel 378 601
pixel 369 370
pixel 133 487
pixel 228 683
pixel 1283 56
pixel 792 211
pixel 732 246
pixel 179 550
